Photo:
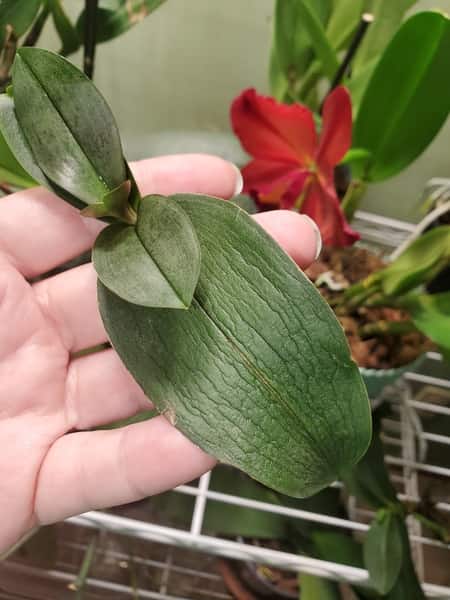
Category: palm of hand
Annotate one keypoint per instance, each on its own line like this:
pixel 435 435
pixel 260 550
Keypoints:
pixel 34 413
pixel 52 465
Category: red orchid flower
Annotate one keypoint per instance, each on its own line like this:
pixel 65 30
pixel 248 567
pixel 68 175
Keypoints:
pixel 292 166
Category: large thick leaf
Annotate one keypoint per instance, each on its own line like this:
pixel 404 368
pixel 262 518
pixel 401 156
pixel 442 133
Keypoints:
pixel 75 140
pixel 388 17
pixel 19 14
pixel 117 16
pixel 405 103
pixel 431 314
pixel 155 263
pixel 257 371
pixel 383 550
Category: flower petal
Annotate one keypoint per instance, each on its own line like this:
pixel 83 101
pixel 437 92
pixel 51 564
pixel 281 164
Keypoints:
pixel 336 136
pixel 273 184
pixel 325 210
pixel 270 130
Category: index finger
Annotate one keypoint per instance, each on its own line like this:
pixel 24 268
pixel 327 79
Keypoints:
pixel 39 231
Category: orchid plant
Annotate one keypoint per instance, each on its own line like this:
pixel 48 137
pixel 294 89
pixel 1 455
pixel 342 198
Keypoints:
pixel 399 85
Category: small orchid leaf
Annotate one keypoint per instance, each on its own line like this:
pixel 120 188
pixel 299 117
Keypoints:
pixel 117 16
pixel 257 371
pixel 155 263
pixel 383 550
pixel 81 155
pixel 18 14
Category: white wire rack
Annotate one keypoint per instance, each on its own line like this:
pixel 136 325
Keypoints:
pixel 417 398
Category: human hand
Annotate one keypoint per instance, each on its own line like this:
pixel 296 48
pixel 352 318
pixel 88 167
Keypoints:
pixel 51 465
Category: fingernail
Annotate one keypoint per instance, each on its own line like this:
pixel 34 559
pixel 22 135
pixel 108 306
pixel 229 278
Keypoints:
pixel 318 235
pixel 239 180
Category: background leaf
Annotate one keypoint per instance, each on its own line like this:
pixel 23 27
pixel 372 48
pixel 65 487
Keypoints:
pixel 383 551
pixel 155 263
pixel 291 47
pixel 388 17
pixel 344 19
pixel 407 585
pixel 10 170
pixel 252 370
pixel 406 87
pixel 369 479
pixel 116 17
pixel 419 263
pixel 431 315
pixel 317 588
pixel 20 14
pixel 67 32
pixel 82 155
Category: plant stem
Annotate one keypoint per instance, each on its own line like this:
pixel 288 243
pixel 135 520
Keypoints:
pixel 5 189
pixel 7 55
pixel 382 328
pixel 35 32
pixel 80 581
pixel 352 198
pixel 90 36
pixel 366 20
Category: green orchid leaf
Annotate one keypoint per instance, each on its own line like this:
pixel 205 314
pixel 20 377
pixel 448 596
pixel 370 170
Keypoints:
pixel 10 129
pixel 257 372
pixel 357 84
pixel 116 17
pixel 418 264
pixel 19 14
pixel 405 88
pixel 67 32
pixel 292 47
pixel 431 315
pixel 11 171
pixel 155 263
pixel 82 155
pixel 388 16
pixel 383 550
pixel 369 479
pixel 320 44
pixel 338 547
pixel 407 584
pixel 317 588
pixel 344 19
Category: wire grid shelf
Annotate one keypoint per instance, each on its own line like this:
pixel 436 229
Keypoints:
pixel 416 398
